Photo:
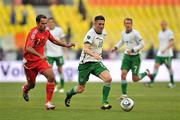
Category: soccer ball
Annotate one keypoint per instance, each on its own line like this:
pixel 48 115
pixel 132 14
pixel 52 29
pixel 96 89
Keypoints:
pixel 127 104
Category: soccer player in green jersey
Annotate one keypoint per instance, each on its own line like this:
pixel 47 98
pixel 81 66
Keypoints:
pixel 90 63
pixel 165 53
pixel 131 60
pixel 55 53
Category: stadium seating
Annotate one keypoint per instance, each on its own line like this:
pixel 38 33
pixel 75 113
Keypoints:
pixel 147 17
pixel 146 14
pixel 13 30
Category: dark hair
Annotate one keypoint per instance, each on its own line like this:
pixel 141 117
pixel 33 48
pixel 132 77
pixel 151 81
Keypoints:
pixel 99 17
pixel 128 19
pixel 38 18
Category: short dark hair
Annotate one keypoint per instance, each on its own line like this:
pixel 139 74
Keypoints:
pixel 38 18
pixel 128 19
pixel 99 17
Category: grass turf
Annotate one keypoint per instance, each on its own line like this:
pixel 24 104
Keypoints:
pixel 156 103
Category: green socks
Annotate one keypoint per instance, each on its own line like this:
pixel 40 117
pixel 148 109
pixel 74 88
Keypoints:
pixel 72 92
pixel 124 87
pixel 106 89
pixel 171 77
pixel 154 74
pixel 142 75
pixel 61 80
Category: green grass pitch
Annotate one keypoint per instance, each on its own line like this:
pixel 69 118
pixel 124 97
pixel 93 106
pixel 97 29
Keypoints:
pixel 156 103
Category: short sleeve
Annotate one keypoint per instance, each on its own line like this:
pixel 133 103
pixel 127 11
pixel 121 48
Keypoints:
pixel 170 35
pixel 88 38
pixel 138 37
pixel 30 40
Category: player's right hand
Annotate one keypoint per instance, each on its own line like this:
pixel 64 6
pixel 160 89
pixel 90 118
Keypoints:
pixel 129 51
pixel 97 56
pixel 43 57
pixel 70 45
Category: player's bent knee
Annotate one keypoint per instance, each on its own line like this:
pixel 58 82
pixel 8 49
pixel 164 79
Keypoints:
pixel 51 78
pixel 80 90
pixel 108 80
pixel 157 66
pixel 135 79
pixel 123 76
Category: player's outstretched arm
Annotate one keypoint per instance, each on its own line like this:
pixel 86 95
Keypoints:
pixel 61 43
pixel 87 50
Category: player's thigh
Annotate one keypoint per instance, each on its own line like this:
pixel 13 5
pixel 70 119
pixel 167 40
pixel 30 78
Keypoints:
pixel 49 74
pixel 84 71
pixel 60 70
pixel 135 66
pixel 59 61
pixel 50 60
pixel 97 68
pixel 100 70
pixel 126 63
pixel 30 75
pixel 105 76
pixel 158 61
pixel 45 69
pixel 168 62
pixel 157 65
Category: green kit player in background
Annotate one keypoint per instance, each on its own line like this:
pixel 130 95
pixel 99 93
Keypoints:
pixel 90 63
pixel 164 54
pixel 131 59
pixel 55 53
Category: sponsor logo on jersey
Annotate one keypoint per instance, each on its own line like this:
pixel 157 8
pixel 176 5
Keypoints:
pixel 88 37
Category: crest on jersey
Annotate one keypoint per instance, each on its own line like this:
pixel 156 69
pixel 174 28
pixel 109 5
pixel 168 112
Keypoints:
pixel 88 37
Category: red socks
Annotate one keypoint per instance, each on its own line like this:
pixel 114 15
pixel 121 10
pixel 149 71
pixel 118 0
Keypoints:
pixel 49 91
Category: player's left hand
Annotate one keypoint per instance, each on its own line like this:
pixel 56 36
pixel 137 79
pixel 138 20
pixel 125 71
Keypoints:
pixel 70 45
pixel 43 57
pixel 163 51
pixel 129 51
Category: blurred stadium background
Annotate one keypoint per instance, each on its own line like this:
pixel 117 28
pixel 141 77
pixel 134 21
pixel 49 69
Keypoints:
pixel 75 18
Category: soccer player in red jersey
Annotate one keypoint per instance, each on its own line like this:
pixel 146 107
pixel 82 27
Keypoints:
pixel 35 61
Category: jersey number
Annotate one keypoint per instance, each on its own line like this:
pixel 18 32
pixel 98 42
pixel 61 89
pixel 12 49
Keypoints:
pixel 100 44
pixel 135 68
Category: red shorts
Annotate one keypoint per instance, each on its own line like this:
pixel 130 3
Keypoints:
pixel 32 69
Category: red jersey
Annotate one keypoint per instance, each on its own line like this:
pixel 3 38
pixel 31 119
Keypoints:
pixel 36 40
